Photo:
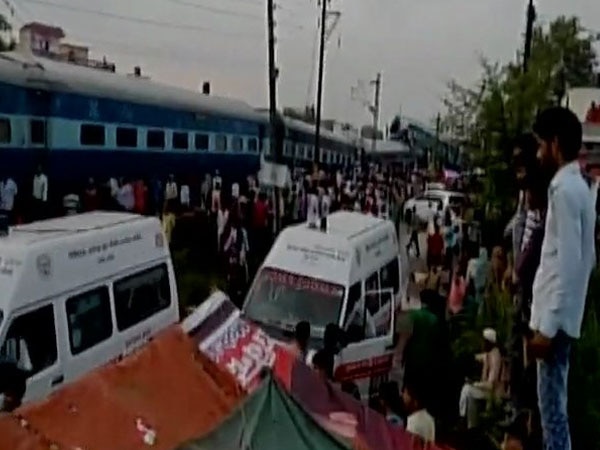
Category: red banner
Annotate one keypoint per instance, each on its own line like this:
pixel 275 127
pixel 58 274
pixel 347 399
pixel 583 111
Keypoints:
pixel 304 283
pixel 242 349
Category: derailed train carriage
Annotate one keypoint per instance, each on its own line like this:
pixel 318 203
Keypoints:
pixel 80 122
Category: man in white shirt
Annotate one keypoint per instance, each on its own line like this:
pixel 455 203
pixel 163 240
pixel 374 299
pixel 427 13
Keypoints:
pixel 489 385
pixel 125 197
pixel 40 194
pixel 561 282
pixel 184 196
pixel 171 190
pixel 419 422
pixel 8 192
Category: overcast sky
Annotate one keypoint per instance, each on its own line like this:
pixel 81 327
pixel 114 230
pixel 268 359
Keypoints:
pixel 418 45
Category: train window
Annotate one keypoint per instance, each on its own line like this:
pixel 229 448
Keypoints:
pixel 310 153
pixel 92 134
pixel 221 143
pixel 37 131
pixel 288 149
pixel 267 147
pixel 299 151
pixel 252 145
pixel 306 150
pixel 237 145
pixel 126 137
pixel 201 141
pixel 5 131
pixel 155 139
pixel 180 140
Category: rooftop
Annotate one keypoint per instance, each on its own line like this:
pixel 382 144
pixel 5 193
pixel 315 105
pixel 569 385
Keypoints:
pixel 44 29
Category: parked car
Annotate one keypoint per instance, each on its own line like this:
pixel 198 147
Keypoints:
pixel 431 201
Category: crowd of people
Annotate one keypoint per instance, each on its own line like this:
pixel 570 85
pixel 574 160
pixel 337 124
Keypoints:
pixel 542 277
pixel 544 272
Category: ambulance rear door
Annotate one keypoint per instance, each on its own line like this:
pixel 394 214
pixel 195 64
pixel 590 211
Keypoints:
pixel 368 353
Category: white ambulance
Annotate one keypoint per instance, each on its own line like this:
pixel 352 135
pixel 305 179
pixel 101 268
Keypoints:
pixel 79 291
pixel 348 274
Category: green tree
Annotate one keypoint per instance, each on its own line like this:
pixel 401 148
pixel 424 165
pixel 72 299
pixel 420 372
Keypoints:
pixel 488 116
pixel 6 41
pixel 505 101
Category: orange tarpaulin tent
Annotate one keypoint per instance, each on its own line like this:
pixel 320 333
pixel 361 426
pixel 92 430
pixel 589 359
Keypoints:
pixel 14 436
pixel 166 393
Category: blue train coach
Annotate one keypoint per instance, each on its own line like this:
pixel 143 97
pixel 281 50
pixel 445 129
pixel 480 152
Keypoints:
pixel 80 122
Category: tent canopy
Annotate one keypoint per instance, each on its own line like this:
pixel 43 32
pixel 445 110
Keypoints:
pixel 268 420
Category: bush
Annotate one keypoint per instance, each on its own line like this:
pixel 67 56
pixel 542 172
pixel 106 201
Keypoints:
pixel 194 284
pixel 584 380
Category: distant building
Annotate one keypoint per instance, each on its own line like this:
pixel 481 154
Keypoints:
pixel 73 53
pixel 585 103
pixel 39 37
pixel 47 41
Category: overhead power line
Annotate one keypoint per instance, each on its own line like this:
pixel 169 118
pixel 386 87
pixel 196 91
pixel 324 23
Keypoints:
pixel 171 53
pixel 216 10
pixel 153 22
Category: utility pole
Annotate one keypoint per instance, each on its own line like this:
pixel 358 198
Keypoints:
pixel 526 56
pixel 376 106
pixel 317 153
pixel 438 127
pixel 273 119
pixel 528 35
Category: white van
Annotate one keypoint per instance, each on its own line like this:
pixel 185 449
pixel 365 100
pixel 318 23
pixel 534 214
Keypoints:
pixel 348 275
pixel 79 291
pixel 431 201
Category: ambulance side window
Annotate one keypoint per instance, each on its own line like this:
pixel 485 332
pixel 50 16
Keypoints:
pixel 142 295
pixel 31 340
pixel 371 293
pixel 354 295
pixel 89 318
pixel 390 276
pixel 354 325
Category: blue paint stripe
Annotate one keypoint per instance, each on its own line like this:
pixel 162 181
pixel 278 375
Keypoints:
pixel 23 101
pixel 16 100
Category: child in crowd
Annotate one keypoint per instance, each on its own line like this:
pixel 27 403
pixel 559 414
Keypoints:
pixel 419 421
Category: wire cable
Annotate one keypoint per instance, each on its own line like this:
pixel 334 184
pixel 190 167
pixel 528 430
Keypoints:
pixel 153 22
pixel 216 10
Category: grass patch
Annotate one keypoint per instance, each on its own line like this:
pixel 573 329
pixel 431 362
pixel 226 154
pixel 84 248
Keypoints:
pixel 194 283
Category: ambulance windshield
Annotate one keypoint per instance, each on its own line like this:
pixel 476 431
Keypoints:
pixel 283 299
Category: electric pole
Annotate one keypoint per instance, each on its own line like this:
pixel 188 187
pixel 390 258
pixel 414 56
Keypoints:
pixel 438 128
pixel 526 56
pixel 376 106
pixel 528 35
pixel 272 73
pixel 317 154
pixel 273 118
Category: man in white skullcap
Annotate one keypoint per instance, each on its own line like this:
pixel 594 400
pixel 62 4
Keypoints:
pixel 489 384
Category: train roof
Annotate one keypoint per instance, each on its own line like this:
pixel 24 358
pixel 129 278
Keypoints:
pixel 307 128
pixel 42 73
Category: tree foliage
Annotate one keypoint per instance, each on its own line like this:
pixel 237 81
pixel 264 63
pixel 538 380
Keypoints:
pixel 6 41
pixel 487 117
pixel 504 102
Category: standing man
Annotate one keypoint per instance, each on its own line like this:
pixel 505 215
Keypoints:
pixel 40 194
pixel 561 282
pixel 8 193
